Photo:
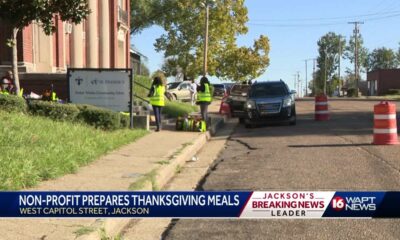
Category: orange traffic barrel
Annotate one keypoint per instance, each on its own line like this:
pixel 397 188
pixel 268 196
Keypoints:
pixel 385 124
pixel 224 108
pixel 321 108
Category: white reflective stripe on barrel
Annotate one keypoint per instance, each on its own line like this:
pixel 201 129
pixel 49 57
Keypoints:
pixel 321 103
pixel 321 112
pixel 385 131
pixel 384 116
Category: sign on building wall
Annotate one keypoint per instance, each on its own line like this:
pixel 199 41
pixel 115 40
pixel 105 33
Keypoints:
pixel 106 88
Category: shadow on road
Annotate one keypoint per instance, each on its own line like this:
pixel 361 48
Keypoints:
pixel 344 123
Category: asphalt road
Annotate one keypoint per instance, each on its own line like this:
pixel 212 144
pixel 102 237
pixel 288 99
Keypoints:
pixel 333 155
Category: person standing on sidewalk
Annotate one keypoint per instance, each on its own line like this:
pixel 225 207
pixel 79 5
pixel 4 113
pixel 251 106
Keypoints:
pixel 204 97
pixel 157 99
pixel 7 86
pixel 193 91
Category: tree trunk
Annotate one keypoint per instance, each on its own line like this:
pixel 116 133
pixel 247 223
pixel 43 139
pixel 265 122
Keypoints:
pixel 15 60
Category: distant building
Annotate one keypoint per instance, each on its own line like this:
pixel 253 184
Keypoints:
pixel 381 81
pixel 101 41
pixel 136 59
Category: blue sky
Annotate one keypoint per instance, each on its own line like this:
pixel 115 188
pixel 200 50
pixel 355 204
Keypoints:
pixel 294 28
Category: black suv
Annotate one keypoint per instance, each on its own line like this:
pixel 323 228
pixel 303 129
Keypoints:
pixel 270 101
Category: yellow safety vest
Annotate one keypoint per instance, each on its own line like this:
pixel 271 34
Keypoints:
pixel 204 96
pixel 4 92
pixel 54 96
pixel 21 92
pixel 158 96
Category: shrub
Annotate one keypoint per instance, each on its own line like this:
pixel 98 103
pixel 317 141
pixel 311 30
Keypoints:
pixel 141 91
pixel 178 109
pixel 352 92
pixel 12 103
pixel 393 92
pixel 125 120
pixel 54 110
pixel 98 117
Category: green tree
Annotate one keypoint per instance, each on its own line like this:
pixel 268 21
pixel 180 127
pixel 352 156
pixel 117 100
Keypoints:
pixel 183 42
pixel 362 53
pixel 382 58
pixel 20 13
pixel 145 13
pixel 144 70
pixel 398 54
pixel 244 63
pixel 329 47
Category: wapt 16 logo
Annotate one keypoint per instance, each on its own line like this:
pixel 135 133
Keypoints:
pixel 353 203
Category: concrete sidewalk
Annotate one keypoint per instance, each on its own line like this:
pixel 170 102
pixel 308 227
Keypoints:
pixel 147 164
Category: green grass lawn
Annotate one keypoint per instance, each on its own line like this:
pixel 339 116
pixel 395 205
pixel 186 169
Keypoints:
pixel 34 148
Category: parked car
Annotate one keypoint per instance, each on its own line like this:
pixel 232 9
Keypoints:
pixel 237 100
pixel 219 90
pixel 179 90
pixel 270 101
pixel 228 87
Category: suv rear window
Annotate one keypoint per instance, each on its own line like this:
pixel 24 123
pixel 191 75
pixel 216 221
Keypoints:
pixel 239 89
pixel 220 86
pixel 268 90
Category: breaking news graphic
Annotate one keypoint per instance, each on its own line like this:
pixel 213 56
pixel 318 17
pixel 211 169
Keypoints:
pixel 249 205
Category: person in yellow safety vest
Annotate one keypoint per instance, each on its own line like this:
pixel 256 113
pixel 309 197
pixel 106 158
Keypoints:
pixel 54 97
pixel 204 97
pixel 7 86
pixel 157 99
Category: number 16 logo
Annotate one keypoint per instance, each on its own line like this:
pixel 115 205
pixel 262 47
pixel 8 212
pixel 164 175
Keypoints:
pixel 338 203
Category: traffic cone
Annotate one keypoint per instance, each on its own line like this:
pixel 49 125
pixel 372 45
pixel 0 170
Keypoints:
pixel 385 124
pixel 321 108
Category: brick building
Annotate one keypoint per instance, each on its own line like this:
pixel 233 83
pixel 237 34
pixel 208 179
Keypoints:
pixel 101 41
pixel 380 81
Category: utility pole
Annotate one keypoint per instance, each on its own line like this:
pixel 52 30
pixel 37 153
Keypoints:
pixel 298 84
pixel 206 40
pixel 306 61
pixel 325 74
pixel 356 32
pixel 340 59
pixel 314 77
pixel 306 78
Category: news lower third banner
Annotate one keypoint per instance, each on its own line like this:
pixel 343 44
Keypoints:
pixel 254 205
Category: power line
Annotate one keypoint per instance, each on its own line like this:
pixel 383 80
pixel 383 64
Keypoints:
pixel 330 18
pixel 320 24
pixel 391 6
pixel 377 6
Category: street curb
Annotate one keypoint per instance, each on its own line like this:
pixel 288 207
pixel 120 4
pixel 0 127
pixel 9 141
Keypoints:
pixel 112 227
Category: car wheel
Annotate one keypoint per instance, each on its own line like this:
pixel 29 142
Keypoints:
pixel 293 119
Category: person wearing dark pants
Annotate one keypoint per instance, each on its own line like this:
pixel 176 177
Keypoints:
pixel 157 114
pixel 204 97
pixel 204 111
pixel 157 99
